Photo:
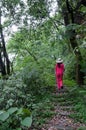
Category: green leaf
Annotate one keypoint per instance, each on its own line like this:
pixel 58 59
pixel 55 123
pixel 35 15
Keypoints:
pixel 27 121
pixel 12 110
pixel 26 112
pixel 4 116
pixel 18 129
pixel 1 112
pixel 20 111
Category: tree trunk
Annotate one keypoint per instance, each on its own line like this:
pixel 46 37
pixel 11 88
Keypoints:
pixel 2 66
pixel 70 19
pixel 5 63
pixel 79 59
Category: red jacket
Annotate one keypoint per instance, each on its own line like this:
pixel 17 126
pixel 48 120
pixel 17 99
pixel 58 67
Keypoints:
pixel 59 69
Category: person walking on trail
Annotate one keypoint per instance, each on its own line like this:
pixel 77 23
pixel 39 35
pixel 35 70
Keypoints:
pixel 59 71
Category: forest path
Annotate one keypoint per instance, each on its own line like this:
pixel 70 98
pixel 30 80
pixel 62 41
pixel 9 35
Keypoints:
pixel 62 119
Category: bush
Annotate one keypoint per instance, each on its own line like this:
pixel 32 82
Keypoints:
pixel 70 83
pixel 15 118
pixel 13 92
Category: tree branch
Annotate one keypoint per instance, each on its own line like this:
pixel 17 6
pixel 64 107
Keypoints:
pixel 70 10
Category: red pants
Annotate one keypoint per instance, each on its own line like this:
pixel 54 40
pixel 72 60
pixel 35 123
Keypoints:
pixel 59 80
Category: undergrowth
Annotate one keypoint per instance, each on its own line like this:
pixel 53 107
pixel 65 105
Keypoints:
pixel 77 95
pixel 40 101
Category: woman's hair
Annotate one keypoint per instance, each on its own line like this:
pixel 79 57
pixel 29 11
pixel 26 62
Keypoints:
pixel 59 64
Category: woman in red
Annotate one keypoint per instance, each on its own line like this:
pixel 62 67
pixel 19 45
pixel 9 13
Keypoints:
pixel 59 70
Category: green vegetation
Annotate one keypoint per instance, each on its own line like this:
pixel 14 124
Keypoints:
pixel 28 57
pixel 39 105
pixel 77 96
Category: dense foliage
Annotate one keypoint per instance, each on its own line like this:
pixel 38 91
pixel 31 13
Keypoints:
pixel 42 35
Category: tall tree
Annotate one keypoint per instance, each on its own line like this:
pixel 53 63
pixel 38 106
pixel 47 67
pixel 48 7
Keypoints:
pixel 72 15
pixel 4 60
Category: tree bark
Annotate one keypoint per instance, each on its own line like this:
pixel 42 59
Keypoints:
pixel 5 63
pixel 2 66
pixel 79 59
pixel 69 18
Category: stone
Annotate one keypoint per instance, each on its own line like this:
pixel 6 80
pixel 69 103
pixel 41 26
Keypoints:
pixel 58 127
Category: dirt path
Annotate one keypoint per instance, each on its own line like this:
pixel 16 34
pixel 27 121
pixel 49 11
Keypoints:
pixel 61 120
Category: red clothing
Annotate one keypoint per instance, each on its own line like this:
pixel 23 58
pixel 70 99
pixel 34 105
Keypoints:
pixel 59 70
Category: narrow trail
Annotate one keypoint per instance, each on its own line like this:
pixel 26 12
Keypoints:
pixel 62 120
